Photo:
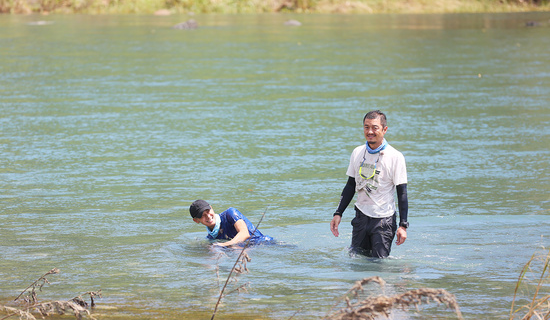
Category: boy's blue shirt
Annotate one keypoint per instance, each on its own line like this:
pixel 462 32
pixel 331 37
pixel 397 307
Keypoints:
pixel 227 231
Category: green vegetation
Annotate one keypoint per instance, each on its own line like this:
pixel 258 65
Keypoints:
pixel 165 7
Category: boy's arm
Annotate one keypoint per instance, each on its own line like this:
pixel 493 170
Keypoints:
pixel 241 236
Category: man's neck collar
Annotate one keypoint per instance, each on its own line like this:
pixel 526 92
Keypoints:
pixel 382 146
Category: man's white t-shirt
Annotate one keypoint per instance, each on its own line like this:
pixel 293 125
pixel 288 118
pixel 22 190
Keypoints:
pixel 384 171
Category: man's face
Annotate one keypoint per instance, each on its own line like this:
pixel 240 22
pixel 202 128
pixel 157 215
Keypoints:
pixel 207 218
pixel 374 132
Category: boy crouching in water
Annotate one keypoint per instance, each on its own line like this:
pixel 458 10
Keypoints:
pixel 229 225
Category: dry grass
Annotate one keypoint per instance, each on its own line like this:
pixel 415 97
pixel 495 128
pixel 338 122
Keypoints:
pixel 31 296
pixel 76 306
pixel 372 307
pixel 533 286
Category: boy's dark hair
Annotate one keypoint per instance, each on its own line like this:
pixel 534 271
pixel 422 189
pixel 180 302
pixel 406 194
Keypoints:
pixel 376 114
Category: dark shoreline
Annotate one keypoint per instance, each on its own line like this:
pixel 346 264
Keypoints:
pixel 160 7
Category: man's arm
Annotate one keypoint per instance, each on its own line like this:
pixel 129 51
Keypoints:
pixel 346 196
pixel 401 233
pixel 241 236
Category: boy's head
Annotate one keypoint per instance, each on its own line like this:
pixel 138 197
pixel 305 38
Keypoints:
pixel 202 212
pixel 197 208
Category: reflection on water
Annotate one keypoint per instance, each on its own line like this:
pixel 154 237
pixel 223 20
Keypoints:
pixel 113 125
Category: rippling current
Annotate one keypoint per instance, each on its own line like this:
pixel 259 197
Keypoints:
pixel 112 125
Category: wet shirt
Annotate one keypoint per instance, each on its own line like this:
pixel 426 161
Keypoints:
pixel 227 231
pixel 382 172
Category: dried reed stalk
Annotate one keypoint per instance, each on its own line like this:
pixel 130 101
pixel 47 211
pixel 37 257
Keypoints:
pixel 239 266
pixel 23 314
pixel 372 307
pixel 77 305
pixel 539 306
pixel 36 284
pixel 357 288
pixel 62 307
pixel 80 301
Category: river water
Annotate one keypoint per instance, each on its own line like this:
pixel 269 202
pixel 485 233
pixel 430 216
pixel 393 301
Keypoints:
pixel 112 125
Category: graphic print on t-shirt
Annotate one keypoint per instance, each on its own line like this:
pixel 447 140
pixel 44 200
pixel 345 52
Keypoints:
pixel 369 177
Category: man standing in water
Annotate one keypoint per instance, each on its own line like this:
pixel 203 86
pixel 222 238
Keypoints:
pixel 376 169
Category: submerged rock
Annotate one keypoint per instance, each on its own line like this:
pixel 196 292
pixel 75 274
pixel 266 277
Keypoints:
pixel 40 23
pixel 532 24
pixel 188 25
pixel 293 23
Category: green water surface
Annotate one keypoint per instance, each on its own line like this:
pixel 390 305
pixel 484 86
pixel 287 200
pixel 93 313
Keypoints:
pixel 112 125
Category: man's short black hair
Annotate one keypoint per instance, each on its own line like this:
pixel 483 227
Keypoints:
pixel 376 114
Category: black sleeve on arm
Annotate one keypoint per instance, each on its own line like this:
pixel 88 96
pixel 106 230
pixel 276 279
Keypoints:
pixel 402 192
pixel 346 196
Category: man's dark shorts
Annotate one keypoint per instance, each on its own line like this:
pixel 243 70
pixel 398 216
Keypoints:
pixel 372 236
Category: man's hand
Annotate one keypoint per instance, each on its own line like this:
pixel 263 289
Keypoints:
pixel 335 225
pixel 401 235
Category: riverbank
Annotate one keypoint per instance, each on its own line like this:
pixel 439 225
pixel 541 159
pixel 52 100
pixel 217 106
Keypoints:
pixel 167 7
